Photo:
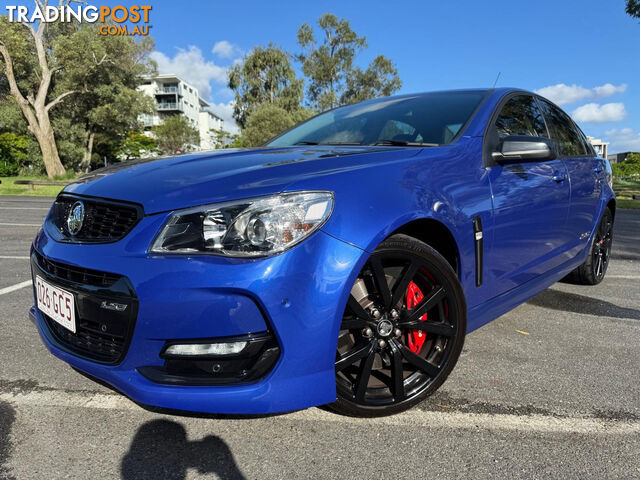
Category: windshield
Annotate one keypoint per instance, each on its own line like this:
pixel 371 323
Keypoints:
pixel 424 119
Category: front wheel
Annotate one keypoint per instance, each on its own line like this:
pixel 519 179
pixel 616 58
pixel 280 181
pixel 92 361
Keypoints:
pixel 402 331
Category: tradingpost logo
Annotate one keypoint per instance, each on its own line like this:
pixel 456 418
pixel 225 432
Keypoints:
pixel 118 20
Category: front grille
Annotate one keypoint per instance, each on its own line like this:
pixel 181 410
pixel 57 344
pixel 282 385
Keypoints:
pixel 104 220
pixel 74 274
pixel 102 335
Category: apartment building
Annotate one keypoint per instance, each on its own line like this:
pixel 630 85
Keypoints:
pixel 599 146
pixel 174 96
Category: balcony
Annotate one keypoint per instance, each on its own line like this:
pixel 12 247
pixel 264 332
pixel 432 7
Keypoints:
pixel 168 106
pixel 149 120
pixel 169 90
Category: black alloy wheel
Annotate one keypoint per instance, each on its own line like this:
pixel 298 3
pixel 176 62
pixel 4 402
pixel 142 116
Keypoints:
pixel 402 331
pixel 593 270
pixel 602 246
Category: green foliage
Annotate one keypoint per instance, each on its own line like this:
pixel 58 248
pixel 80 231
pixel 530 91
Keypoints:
pixel 267 121
pixel 99 75
pixel 633 8
pixel 137 145
pixel 70 140
pixel 12 120
pixel 329 65
pixel 224 139
pixel 175 134
pixel 629 168
pixel 107 105
pixel 13 153
pixel 380 79
pixel 11 117
pixel 265 75
pixel 327 62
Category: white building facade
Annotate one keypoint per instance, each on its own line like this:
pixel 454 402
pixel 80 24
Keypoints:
pixel 174 96
pixel 599 146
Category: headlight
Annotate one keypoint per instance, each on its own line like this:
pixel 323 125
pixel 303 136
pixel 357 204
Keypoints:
pixel 245 228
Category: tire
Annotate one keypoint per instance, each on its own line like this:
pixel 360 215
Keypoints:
pixel 402 331
pixel 593 270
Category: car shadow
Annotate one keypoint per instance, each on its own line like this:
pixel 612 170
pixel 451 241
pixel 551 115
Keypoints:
pixel 160 449
pixel 7 417
pixel 573 302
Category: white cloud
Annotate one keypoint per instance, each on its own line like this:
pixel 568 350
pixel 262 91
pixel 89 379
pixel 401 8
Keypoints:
pixel 224 49
pixel 191 65
pixel 593 112
pixel 563 94
pixel 225 111
pixel 623 140
pixel 608 89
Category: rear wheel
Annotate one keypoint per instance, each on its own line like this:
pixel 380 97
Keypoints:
pixel 593 270
pixel 402 331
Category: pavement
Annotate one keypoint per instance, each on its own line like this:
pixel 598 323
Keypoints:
pixel 548 390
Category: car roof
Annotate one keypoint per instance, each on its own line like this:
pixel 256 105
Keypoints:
pixel 501 91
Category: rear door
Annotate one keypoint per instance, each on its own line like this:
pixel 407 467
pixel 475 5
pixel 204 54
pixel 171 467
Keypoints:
pixel 530 201
pixel 585 169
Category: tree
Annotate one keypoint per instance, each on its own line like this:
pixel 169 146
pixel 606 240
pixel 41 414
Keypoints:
pixel 137 145
pixel 224 139
pixel 264 75
pixel 380 79
pixel 633 8
pixel 267 121
pixel 175 134
pixel 29 66
pixel 328 63
pixel 48 64
pixel 108 104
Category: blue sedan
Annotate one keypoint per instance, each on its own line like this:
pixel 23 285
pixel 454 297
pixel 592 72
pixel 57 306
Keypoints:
pixel 341 263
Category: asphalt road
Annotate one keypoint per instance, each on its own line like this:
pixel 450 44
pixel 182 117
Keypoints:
pixel 548 390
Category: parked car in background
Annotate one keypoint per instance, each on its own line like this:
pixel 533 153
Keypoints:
pixel 342 263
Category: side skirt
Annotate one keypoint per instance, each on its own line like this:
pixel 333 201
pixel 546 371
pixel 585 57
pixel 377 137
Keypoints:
pixel 491 309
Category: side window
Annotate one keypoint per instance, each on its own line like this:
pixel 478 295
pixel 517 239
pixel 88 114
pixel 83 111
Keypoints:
pixel 521 116
pixel 567 137
pixel 587 144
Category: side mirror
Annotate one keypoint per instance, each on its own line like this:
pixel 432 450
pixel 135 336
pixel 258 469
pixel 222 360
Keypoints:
pixel 522 148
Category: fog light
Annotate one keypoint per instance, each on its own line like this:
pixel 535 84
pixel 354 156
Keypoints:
pixel 195 349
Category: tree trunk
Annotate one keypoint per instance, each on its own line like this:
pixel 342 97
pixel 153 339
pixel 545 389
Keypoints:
pixel 85 165
pixel 43 132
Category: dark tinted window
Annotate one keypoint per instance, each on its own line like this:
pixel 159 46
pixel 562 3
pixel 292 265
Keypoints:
pixel 521 116
pixel 427 118
pixel 587 144
pixel 566 135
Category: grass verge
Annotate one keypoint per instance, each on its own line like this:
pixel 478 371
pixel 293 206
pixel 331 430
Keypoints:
pixel 7 187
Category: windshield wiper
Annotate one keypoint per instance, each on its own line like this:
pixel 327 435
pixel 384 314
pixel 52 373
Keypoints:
pixel 402 143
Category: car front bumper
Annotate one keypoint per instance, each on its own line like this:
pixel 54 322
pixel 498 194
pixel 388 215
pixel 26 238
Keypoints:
pixel 299 296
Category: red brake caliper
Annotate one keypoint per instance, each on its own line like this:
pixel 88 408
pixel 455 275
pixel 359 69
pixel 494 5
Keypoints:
pixel 416 338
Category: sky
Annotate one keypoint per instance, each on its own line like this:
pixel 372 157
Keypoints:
pixel 584 55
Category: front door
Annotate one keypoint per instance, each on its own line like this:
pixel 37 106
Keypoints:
pixel 530 203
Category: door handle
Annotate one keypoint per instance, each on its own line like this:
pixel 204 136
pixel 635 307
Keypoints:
pixel 597 168
pixel 559 177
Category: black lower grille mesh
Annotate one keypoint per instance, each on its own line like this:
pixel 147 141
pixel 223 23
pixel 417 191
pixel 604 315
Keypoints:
pixel 102 334
pixel 74 274
pixel 88 340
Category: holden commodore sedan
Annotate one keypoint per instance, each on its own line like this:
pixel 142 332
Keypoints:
pixel 341 263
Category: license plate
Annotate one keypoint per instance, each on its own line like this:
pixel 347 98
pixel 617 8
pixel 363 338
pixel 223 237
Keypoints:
pixel 57 303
